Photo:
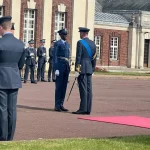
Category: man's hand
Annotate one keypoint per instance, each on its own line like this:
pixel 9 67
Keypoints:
pixel 57 72
pixel 76 74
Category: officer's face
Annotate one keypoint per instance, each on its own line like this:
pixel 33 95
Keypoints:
pixel 42 44
pixel 81 35
pixel 63 37
pixel 31 45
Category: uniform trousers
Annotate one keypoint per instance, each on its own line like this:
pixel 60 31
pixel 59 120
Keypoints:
pixel 8 104
pixel 61 86
pixel 41 71
pixel 32 69
pixel 51 72
pixel 85 89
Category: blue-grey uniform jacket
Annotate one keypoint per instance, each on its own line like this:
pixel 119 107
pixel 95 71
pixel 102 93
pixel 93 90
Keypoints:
pixel 41 53
pixel 84 63
pixel 51 52
pixel 61 56
pixel 30 56
pixel 12 59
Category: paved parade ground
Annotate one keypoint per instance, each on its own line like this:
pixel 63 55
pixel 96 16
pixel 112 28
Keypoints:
pixel 112 96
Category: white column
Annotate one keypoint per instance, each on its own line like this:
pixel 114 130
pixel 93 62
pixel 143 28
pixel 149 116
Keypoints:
pixel 1 2
pixel 137 48
pixel 83 16
pixel 47 22
pixel 149 55
pixel 90 16
pixel 79 13
pixel 132 47
pixel 141 51
pixel 16 13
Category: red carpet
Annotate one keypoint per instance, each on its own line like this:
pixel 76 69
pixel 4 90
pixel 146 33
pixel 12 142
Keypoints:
pixel 123 120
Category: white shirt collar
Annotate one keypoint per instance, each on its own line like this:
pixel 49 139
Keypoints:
pixel 63 41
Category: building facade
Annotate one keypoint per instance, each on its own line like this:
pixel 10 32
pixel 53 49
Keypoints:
pixel 37 19
pixel 129 23
pixel 120 29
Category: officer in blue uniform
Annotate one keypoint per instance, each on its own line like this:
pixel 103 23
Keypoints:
pixel 51 70
pixel 30 62
pixel 41 53
pixel 12 59
pixel 84 67
pixel 62 69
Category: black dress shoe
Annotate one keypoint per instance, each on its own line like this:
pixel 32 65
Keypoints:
pixel 34 82
pixel 88 113
pixel 63 109
pixel 49 80
pixel 57 109
pixel 79 112
pixel 43 81
pixel 25 81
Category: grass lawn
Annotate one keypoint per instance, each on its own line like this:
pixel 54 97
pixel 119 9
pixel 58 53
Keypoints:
pixel 123 73
pixel 120 73
pixel 127 143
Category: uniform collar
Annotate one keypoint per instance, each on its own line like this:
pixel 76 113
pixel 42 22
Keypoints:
pixel 31 47
pixel 85 37
pixel 6 33
pixel 63 41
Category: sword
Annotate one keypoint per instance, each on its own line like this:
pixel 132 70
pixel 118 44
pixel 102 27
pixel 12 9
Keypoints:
pixel 71 89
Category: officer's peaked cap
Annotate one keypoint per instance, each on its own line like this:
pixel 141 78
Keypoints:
pixel 63 32
pixel 5 18
pixel 31 42
pixel 42 40
pixel 83 29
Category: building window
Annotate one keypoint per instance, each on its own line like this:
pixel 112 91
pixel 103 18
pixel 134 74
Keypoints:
pixel 114 48
pixel 97 40
pixel 29 25
pixel 1 11
pixel 59 23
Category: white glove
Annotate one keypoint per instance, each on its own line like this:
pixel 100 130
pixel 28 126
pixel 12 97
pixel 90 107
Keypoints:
pixel 36 65
pixel 43 54
pixel 76 74
pixel 57 72
pixel 31 54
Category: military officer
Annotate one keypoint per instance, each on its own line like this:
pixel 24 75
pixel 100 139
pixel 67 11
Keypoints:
pixel 12 30
pixel 51 70
pixel 62 69
pixel 84 67
pixel 12 59
pixel 41 53
pixel 30 62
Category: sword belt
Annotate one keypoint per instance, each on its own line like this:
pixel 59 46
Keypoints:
pixel 64 58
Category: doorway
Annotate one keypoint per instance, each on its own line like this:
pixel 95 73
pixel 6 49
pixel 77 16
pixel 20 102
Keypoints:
pixel 146 52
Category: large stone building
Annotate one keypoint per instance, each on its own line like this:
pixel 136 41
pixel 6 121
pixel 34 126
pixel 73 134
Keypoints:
pixel 120 28
pixel 37 19
pixel 124 29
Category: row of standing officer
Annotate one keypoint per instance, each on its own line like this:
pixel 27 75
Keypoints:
pixel 31 63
